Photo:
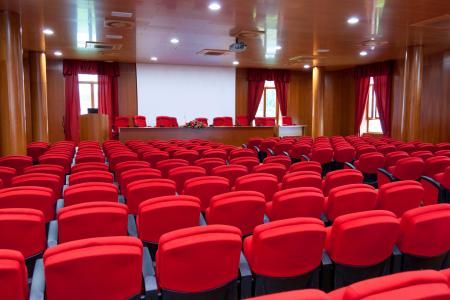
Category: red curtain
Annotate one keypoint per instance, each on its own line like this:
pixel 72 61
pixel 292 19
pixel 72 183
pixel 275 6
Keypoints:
pixel 108 95
pixel 256 79
pixel 382 75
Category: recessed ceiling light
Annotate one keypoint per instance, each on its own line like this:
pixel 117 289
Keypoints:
pixel 352 20
pixel 114 36
pixel 322 50
pixel 306 66
pixel 278 48
pixel 174 40
pixel 58 53
pixel 214 6
pixel 372 48
pixel 235 62
pixel 121 14
pixel 363 53
pixel 153 58
pixel 48 31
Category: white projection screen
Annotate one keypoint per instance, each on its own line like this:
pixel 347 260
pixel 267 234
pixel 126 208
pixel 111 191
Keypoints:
pixel 185 92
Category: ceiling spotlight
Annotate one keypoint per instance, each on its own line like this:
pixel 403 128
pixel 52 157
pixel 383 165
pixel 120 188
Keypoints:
pixel 306 66
pixel 48 31
pixel 235 62
pixel 214 6
pixel 58 53
pixel 352 20
pixel 174 41
pixel 153 58
pixel 322 50
pixel 363 53
pixel 278 48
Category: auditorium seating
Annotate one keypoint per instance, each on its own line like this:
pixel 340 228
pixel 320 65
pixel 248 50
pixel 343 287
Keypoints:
pixel 267 184
pixel 90 176
pixel 17 162
pixel 287 121
pixel 90 192
pixel 306 166
pixel 165 166
pixel 277 169
pixel 14 275
pixel 242 121
pixel 409 168
pixel 165 121
pixel 204 187
pixel 202 120
pixel 400 196
pixel 139 121
pixel 132 175
pixel 437 190
pixel 301 179
pixel 250 162
pixel 230 172
pixel 6 175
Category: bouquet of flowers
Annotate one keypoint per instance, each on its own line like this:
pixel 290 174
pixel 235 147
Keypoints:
pixel 194 124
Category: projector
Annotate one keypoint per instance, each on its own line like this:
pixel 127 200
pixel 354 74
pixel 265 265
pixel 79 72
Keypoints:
pixel 239 46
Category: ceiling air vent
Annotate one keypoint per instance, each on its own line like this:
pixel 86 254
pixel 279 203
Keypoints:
pixel 374 43
pixel 441 22
pixel 248 34
pixel 102 46
pixel 119 24
pixel 213 52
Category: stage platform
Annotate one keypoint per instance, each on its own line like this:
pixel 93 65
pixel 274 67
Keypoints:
pixel 227 135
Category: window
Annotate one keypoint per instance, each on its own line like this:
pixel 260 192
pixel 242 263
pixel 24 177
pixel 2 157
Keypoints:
pixel 268 107
pixel 371 120
pixel 88 87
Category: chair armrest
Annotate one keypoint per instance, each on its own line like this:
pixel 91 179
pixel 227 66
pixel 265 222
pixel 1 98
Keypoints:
pixel 257 149
pixel 245 277
pixel 286 154
pixel 59 205
pixel 52 239
pixel 327 280
pixel 202 221
pixel 132 229
pixel 305 157
pixel 37 291
pixel 270 152
pixel 148 273
pixel 349 165
pixel 432 181
pixel 245 146
pixel 396 260
pixel 386 173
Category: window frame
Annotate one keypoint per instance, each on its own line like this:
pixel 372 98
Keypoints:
pixel 371 114
pixel 92 86
pixel 264 102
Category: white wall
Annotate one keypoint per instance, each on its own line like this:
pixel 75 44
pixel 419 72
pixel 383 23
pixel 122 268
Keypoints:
pixel 185 92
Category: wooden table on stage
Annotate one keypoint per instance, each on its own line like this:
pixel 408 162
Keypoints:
pixel 94 127
pixel 227 135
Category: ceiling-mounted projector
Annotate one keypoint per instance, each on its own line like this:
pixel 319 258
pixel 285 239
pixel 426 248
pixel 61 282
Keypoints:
pixel 238 46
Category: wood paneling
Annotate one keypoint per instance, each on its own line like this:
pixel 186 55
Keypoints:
pixel 397 99
pixel 241 92
pixel 299 99
pixel 127 90
pixel 55 99
pixel 38 93
pixel 94 127
pixel 26 82
pixel 339 103
pixel 317 101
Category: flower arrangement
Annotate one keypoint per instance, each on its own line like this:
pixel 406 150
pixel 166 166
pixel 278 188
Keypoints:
pixel 194 124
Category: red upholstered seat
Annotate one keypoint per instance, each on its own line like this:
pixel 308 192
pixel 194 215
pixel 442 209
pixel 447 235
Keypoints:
pixel 287 121
pixel 241 121
pixel 206 187
pixel 141 190
pixel 154 157
pixel 47 169
pixel 218 121
pixel 267 184
pixel 64 160
pixel 415 285
pixel 301 179
pixel 90 192
pixel 92 219
pixel 6 175
pixel 91 176
pixel 296 202
pixel 323 155
pixel 181 174
pixel 350 198
pixel 168 164
pixel 209 163
pixel 369 163
pixel 393 157
pixel 160 215
pixel 306 166
pixel 36 149
pixel 277 169
pixel 17 162
pixel 425 233
pixel 242 209
pixel 344 154
pixel 272 252
pixel 117 158
pixel 231 172
pixel 94 269
pixel 50 181
pixel 435 165
pixel 280 159
pixel 249 162
pixel 191 259
pixel 139 121
pixel 81 167
pixel 385 149
pixel 202 120
pixel 299 149
pixel 39 198
pixel 341 177
pixel 400 196
pixel 23 229
pixel 215 153
pixel 363 239
pixel 237 153
pixel 307 294
pixel 129 165
pixel 423 154
pixel 14 275
pixel 189 155
pixel 121 121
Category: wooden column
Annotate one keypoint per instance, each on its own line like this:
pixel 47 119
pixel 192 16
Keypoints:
pixel 12 96
pixel 38 93
pixel 412 93
pixel 317 101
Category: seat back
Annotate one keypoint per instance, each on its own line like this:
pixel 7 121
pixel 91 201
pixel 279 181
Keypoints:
pixel 267 184
pixel 121 121
pixel 90 176
pixel 230 172
pixel 409 168
pixel 139 121
pixel 14 275
pixel 202 120
pixel 141 190
pixel 188 260
pixel 435 165
pixel 205 188
pixel 302 179
pixel 287 121
pixel 370 162
pixel 393 157
pixel 243 209
pixel 168 164
pixel 323 155
pixel 25 230
pixel 92 219
pixel 400 196
pixel 277 169
pixel 137 174
pixel 307 294
pixel 160 215
pixel 6 175
pixel 94 269
pixel 50 181
pixel 341 177
pixel 297 202
pixel 90 192
pixel 88 167
pixel 181 174
pixel 17 162
pixel 271 252
pixel 280 159
pixel 154 157
pixel 189 155
pixel 306 166
pixel 242 121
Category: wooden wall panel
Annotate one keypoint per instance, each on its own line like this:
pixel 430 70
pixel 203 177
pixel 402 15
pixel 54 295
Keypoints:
pixel 128 104
pixel 300 99
pixel 241 92
pixel 396 99
pixel 55 100
pixel 339 103
pixel 26 83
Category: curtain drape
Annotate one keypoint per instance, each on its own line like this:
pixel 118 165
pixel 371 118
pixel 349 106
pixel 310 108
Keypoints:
pixel 108 94
pixel 256 79
pixel 382 75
